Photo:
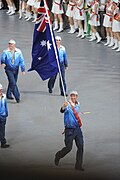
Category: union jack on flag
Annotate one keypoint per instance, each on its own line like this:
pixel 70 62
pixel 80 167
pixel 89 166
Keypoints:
pixel 42 18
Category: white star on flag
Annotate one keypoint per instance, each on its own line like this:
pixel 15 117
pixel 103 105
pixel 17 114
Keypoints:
pixel 48 45
pixel 43 43
pixel 39 58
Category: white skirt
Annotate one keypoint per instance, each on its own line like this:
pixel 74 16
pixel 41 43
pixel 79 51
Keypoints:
pixel 94 21
pixel 56 9
pixel 106 21
pixel 79 14
pixel 70 11
pixel 36 4
pixel 30 2
pixel 115 26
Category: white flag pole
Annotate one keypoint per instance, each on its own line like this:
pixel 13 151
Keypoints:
pixel 54 45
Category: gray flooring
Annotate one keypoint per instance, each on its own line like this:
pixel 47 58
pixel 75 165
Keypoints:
pixel 35 125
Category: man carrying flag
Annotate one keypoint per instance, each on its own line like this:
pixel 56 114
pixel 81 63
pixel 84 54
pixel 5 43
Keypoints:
pixel 63 66
pixel 45 59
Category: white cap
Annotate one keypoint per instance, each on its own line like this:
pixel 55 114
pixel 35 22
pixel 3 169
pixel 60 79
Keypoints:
pixel 1 87
pixel 58 38
pixel 12 41
pixel 74 92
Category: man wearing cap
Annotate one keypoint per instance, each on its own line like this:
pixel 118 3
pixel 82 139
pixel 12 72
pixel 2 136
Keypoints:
pixel 63 62
pixel 72 123
pixel 11 59
pixel 3 116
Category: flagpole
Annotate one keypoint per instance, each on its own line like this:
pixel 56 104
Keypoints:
pixel 46 7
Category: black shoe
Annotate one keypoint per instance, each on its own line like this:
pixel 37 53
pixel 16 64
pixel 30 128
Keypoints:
pixel 79 168
pixel 50 90
pixel 18 100
pixel 56 160
pixel 62 94
pixel 5 146
pixel 8 97
pixel 77 30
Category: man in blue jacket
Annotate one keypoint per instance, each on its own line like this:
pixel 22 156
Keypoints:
pixel 72 131
pixel 63 62
pixel 3 116
pixel 11 59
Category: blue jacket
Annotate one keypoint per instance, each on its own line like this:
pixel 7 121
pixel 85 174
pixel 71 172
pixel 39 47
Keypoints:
pixel 3 107
pixel 70 120
pixel 63 56
pixel 6 58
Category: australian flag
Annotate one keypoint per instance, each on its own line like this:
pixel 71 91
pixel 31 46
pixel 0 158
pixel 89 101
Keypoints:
pixel 43 51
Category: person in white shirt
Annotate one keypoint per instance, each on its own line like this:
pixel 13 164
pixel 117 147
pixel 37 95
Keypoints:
pixel 1 4
pixel 29 8
pixel 116 26
pixel 79 15
pixel 57 10
pixel 36 5
pixel 70 13
pixel 11 7
pixel 94 20
pixel 107 23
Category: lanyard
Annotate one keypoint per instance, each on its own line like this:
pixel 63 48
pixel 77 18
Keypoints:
pixel 13 58
pixel 1 102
